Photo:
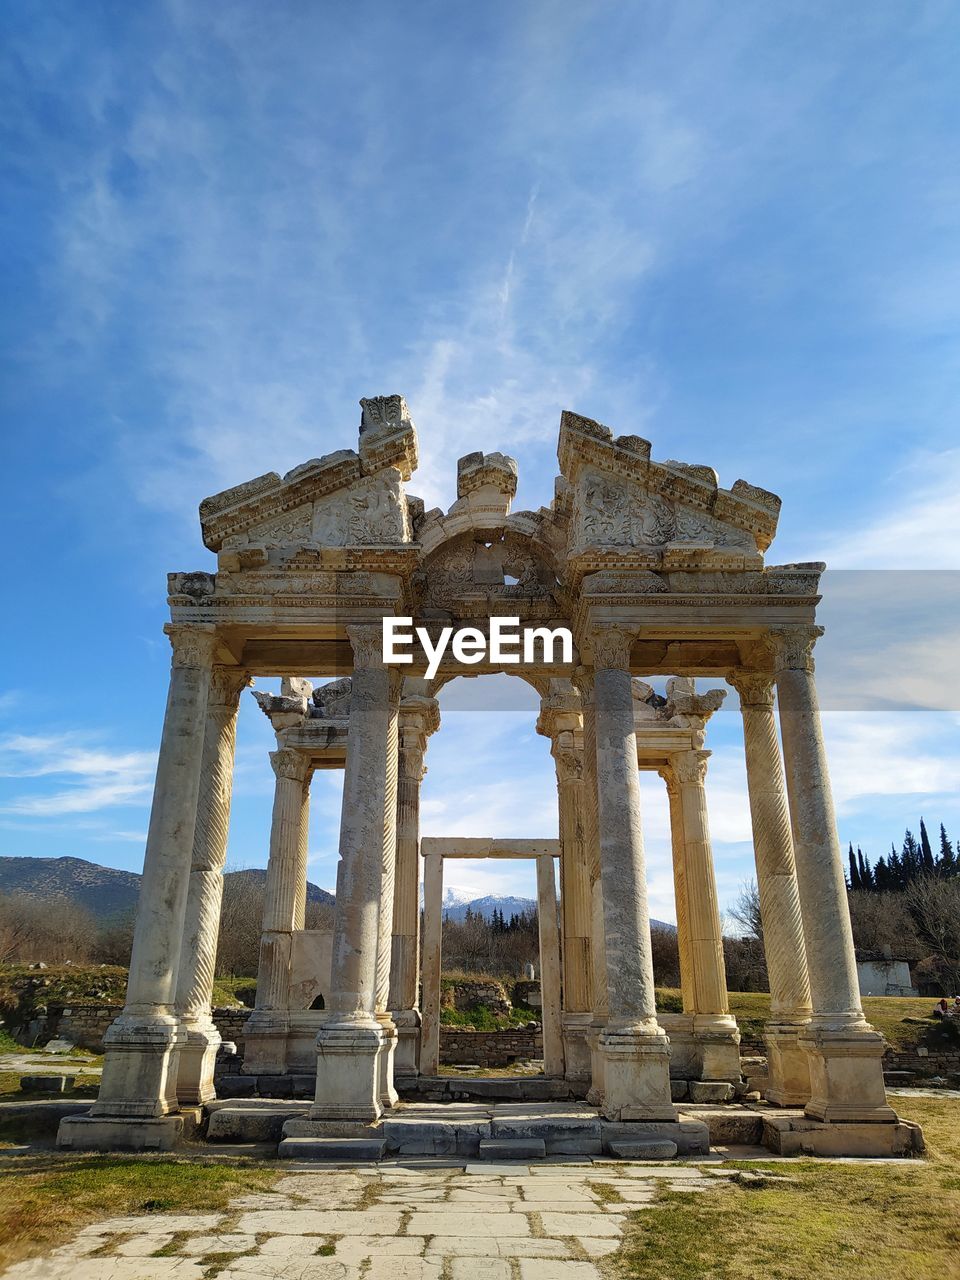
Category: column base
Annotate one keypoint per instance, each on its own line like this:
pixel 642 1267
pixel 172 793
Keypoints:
pixel 407 1056
pixel 265 1043
pixel 788 1066
pixel 636 1074
pixel 139 1079
pixel 196 1061
pixel 846 1076
pixel 388 1094
pixel 595 1092
pixel 576 1030
pixel 717 1040
pixel 90 1133
pixel 348 1071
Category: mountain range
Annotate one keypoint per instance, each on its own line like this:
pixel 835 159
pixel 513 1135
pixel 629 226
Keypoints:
pixel 104 891
pixel 108 893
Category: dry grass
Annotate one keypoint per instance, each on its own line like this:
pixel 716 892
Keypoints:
pixel 45 1199
pixel 830 1222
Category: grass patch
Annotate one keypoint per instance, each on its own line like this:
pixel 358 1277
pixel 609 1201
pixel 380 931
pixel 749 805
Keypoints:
pixel 45 1199
pixel 831 1221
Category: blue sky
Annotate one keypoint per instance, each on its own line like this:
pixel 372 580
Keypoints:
pixel 729 228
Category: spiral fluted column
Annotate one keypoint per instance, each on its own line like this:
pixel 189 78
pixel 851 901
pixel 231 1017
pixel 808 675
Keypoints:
pixel 635 1050
pixel 788 1069
pixel 349 1042
pixel 198 953
pixel 388 1094
pixel 846 1077
pixel 139 1071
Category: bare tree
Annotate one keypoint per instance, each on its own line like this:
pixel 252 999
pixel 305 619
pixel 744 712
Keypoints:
pixel 746 911
pixel 32 930
pixel 881 921
pixel 934 906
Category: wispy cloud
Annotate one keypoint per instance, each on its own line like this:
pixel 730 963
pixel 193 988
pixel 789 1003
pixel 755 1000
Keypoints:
pixel 98 778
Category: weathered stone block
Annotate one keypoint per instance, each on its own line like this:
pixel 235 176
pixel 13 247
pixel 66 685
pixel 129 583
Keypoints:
pixel 711 1091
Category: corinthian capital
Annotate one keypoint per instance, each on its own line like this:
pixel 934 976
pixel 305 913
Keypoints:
pixel 689 766
pixel 611 648
pixel 226 685
pixel 794 647
pixel 754 687
pixel 366 640
pixel 193 643
pixel 294 765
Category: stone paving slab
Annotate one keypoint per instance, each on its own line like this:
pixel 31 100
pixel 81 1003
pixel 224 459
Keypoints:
pixel 482 1222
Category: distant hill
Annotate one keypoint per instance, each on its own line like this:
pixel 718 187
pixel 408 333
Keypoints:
pixel 104 891
pixel 456 908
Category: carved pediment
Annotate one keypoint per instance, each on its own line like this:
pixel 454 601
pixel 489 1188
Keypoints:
pixel 613 511
pixel 622 497
pixel 342 499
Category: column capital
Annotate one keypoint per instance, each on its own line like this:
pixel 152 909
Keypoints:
pixel 193 643
pixel 291 764
pixel 226 686
pixel 411 758
pixel 366 641
pixel 583 680
pixel 569 762
pixel 754 687
pixel 611 648
pixel 689 766
pixel 793 647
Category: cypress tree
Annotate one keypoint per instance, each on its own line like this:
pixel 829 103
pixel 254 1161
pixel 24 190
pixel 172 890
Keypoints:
pixel 947 864
pixel 926 853
pixel 863 866
pixel 895 868
pixel 881 875
pixel 910 857
pixel 854 869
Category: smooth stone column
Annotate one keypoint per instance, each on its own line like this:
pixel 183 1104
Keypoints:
pixel 388 1094
pixel 576 911
pixel 788 1067
pixel 549 968
pixel 584 681
pixel 419 716
pixel 265 1035
pixel 634 1048
pixel 846 1077
pixel 349 1042
pixel 430 980
pixel 139 1081
pixel 716 1036
pixel 198 954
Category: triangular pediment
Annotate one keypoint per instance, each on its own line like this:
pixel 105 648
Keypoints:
pixel 621 497
pixel 345 498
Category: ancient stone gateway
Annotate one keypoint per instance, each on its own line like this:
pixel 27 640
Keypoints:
pixel 656 571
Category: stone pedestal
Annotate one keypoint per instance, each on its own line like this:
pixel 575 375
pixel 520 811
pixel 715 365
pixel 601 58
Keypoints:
pixel 788 1066
pixel 844 1051
pixel 349 1081
pixel 634 1048
pixel 265 1035
pixel 139 1080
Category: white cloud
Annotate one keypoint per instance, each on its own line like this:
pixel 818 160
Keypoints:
pixel 98 779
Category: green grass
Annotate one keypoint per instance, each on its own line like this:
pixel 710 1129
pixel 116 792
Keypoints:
pixel 829 1222
pixel 45 1199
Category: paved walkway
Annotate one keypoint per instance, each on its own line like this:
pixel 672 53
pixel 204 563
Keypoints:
pixel 495 1222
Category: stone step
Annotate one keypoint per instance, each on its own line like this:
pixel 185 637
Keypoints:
pixel 332 1149
pixel 627 1150
pixel 512 1149
pixel 560 1134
